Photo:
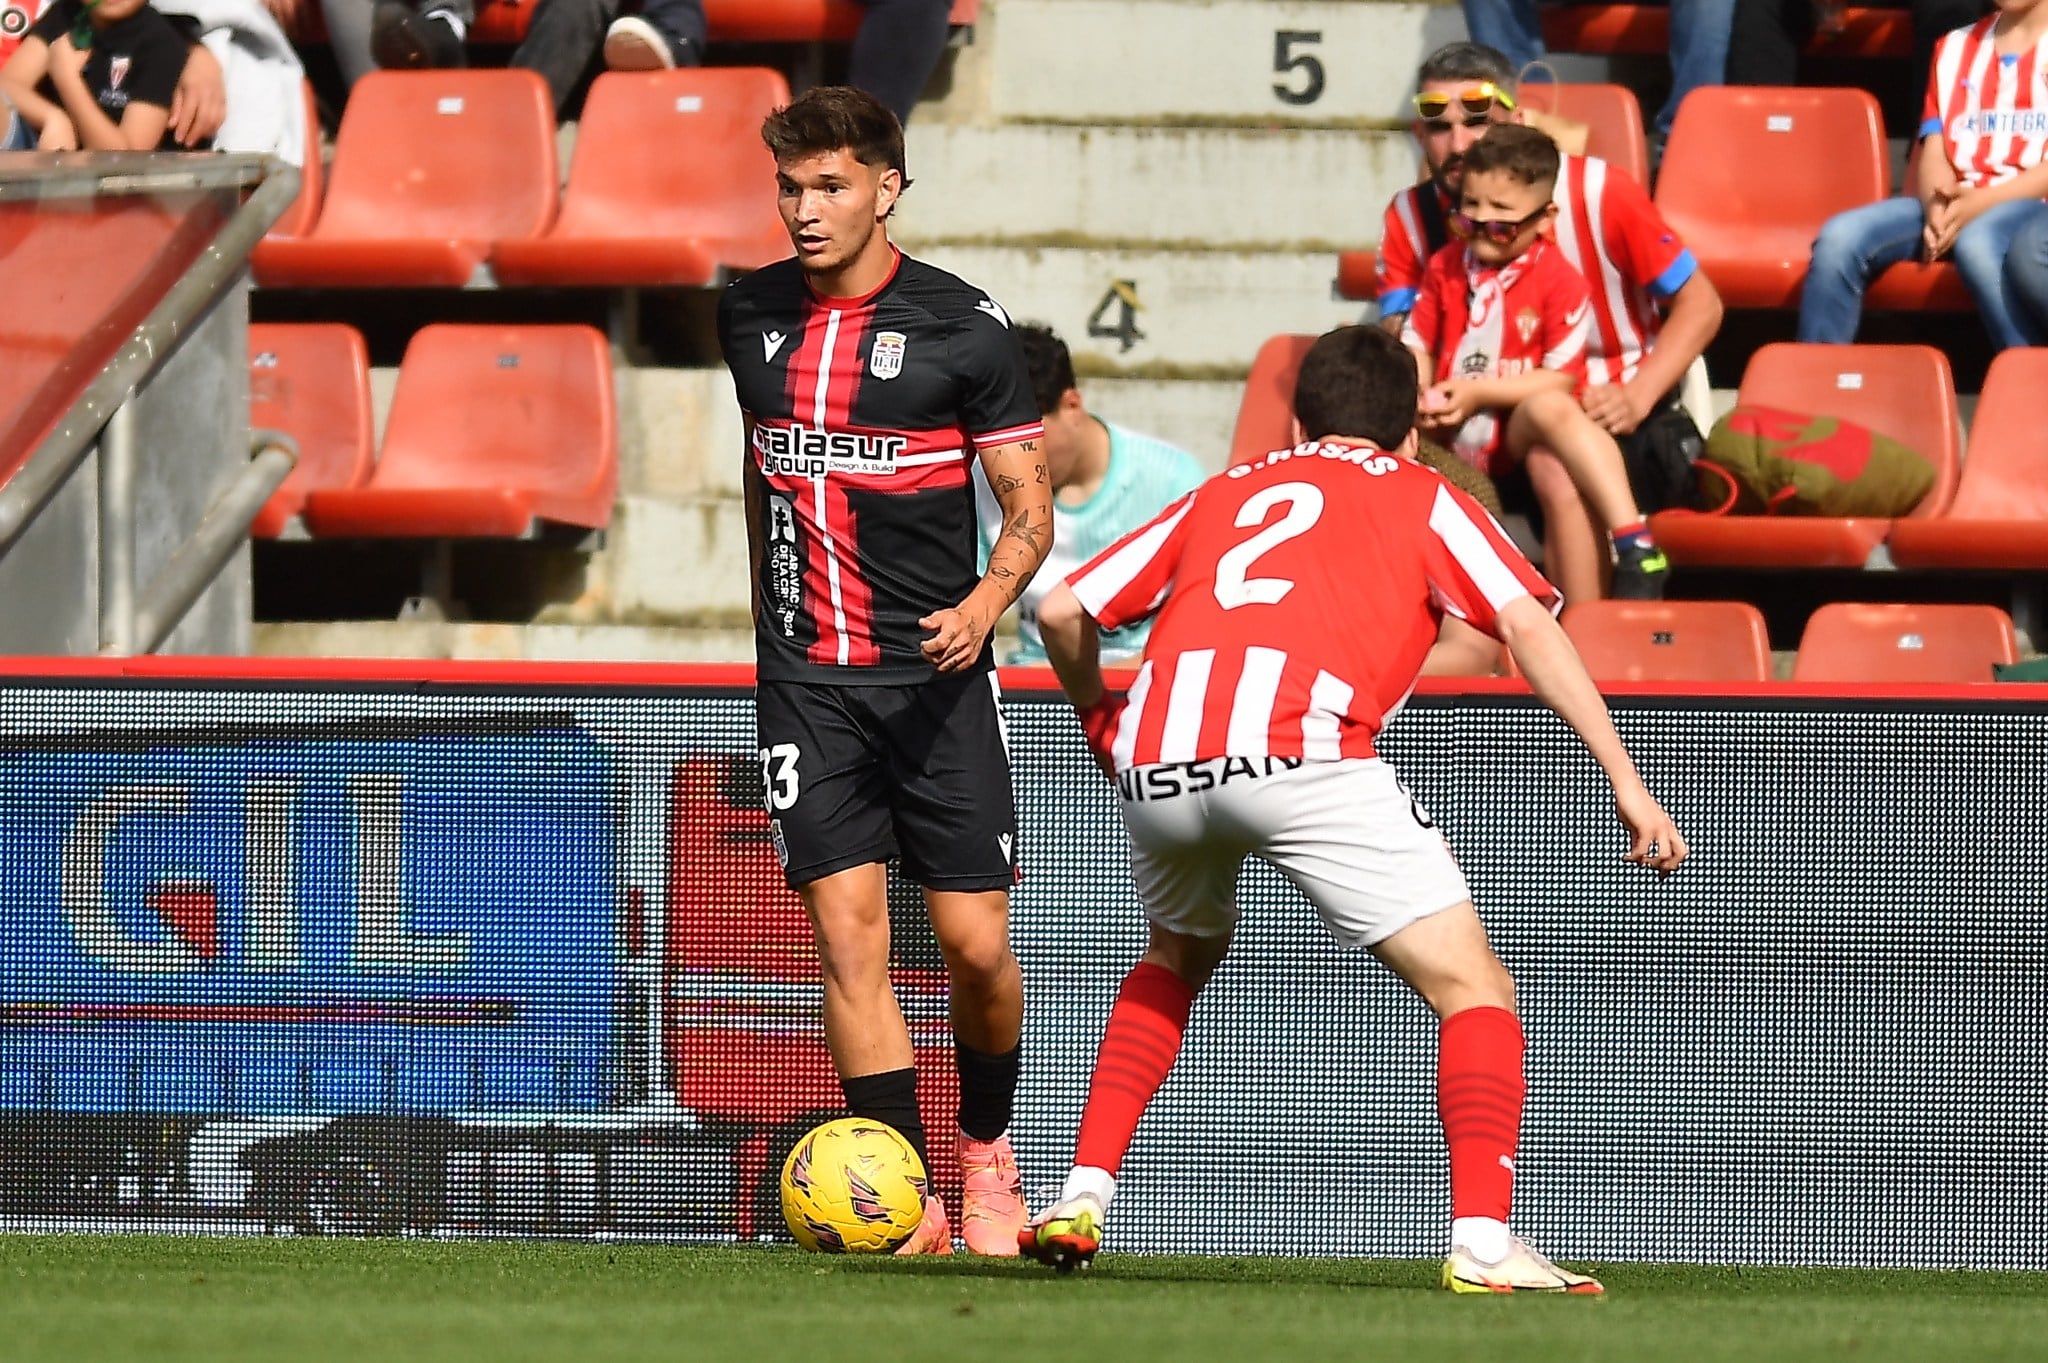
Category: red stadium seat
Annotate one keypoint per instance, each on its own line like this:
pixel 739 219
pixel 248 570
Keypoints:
pixel 1999 518
pixel 1645 30
pixel 1265 416
pixel 670 184
pixel 1678 641
pixel 1751 173
pixel 1903 391
pixel 494 430
pixel 298 218
pixel 799 21
pixel 1358 275
pixel 311 380
pixel 430 168
pixel 1613 119
pixel 1848 641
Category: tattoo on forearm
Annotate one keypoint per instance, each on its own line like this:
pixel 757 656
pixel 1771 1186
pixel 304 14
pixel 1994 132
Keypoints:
pixel 1039 475
pixel 1023 530
pixel 1005 484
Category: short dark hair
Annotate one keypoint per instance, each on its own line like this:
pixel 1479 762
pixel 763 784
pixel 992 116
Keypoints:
pixel 833 118
pixel 1526 154
pixel 1467 61
pixel 1050 363
pixel 1357 380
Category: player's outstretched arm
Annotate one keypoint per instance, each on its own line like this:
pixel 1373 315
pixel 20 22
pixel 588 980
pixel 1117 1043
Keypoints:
pixel 1556 675
pixel 1073 646
pixel 1023 488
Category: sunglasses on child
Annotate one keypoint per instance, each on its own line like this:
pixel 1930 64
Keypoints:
pixel 1477 101
pixel 1500 231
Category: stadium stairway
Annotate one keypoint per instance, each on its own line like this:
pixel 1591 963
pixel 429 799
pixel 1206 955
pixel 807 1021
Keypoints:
pixel 1166 182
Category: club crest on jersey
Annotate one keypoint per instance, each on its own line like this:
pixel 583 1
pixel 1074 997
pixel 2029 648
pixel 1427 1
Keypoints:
pixel 885 360
pixel 1526 322
pixel 1478 364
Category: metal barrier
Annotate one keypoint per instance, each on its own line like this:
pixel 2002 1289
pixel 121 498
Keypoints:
pixel 140 481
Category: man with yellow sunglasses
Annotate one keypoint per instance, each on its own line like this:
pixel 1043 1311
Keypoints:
pixel 1654 312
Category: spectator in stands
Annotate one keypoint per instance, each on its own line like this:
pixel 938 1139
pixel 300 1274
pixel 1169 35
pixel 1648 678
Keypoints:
pixel 98 77
pixel 1499 330
pixel 1699 42
pixel 895 51
pixel 1106 482
pixel 1763 46
pixel 1654 312
pixel 242 86
pixel 1980 179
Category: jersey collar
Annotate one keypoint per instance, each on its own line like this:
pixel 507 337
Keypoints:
pixel 842 304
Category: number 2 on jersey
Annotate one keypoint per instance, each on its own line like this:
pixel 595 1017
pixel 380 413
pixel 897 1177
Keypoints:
pixel 1234 587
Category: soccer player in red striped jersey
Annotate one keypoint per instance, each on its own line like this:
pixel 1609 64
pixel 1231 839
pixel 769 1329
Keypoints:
pixel 1248 731
pixel 1981 175
pixel 869 382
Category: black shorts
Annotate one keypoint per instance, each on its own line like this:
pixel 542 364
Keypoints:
pixel 856 774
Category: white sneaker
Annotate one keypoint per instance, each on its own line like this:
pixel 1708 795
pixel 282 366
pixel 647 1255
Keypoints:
pixel 1521 1270
pixel 633 44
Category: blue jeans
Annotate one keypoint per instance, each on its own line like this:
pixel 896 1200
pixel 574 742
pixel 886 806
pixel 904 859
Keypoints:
pixel 1699 51
pixel 20 136
pixel 1510 27
pixel 1699 41
pixel 1854 247
pixel 2026 277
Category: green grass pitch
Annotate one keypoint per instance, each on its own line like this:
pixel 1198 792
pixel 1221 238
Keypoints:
pixel 168 1300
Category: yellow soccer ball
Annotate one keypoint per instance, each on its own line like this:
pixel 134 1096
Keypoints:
pixel 853 1186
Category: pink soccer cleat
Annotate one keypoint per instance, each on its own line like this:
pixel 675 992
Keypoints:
pixel 933 1234
pixel 992 1196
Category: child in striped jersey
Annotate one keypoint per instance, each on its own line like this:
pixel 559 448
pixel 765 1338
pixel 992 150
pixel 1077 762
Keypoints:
pixel 1106 482
pixel 1980 178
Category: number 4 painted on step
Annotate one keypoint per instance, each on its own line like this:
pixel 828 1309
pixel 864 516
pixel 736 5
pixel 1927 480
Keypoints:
pixel 1122 300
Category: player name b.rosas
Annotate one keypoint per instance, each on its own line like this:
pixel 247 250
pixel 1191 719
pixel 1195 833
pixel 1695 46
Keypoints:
pixel 803 452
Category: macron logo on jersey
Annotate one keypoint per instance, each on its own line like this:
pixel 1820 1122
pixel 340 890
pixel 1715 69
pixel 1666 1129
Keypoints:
pixel 771 341
pixel 993 309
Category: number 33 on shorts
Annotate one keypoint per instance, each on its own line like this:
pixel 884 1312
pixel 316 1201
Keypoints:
pixel 778 776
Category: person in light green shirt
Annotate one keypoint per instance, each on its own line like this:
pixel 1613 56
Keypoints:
pixel 1106 482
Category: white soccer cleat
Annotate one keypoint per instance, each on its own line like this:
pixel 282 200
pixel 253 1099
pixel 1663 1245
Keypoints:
pixel 1522 1269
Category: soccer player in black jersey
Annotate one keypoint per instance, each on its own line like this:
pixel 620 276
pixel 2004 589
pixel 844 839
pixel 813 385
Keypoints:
pixel 868 381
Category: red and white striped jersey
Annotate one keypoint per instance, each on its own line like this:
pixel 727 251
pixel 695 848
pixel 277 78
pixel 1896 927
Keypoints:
pixel 865 416
pixel 1990 111
pixel 1609 232
pixel 1296 598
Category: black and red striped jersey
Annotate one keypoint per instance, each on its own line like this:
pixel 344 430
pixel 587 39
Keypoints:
pixel 867 414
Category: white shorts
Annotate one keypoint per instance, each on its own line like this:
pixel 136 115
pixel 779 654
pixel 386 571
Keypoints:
pixel 1347 834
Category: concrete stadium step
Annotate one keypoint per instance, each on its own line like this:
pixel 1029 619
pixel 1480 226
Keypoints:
pixel 1283 61
pixel 1248 188
pixel 1157 314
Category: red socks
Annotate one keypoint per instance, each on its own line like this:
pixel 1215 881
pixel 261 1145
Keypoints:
pixel 1479 1092
pixel 1138 1050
